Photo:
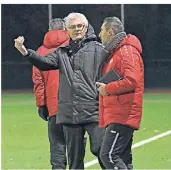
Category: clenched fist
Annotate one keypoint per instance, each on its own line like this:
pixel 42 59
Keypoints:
pixel 19 45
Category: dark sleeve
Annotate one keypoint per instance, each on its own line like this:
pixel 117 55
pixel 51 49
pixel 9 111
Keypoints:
pixel 101 58
pixel 103 55
pixel 49 62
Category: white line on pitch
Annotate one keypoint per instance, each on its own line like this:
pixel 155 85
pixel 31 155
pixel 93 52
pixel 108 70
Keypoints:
pixel 136 145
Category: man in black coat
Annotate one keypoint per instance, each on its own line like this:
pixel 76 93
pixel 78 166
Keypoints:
pixel 78 66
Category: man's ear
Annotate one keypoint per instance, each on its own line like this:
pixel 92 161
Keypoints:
pixel 110 32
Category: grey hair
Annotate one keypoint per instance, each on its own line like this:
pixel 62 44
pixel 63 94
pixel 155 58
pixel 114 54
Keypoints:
pixel 57 24
pixel 75 15
pixel 114 23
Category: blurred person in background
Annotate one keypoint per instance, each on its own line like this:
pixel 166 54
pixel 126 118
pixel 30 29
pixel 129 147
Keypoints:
pixel 120 102
pixel 46 85
pixel 78 66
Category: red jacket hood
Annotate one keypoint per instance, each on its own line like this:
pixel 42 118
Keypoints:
pixel 133 41
pixel 55 38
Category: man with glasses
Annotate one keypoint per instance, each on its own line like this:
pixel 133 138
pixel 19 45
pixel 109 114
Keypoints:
pixel 46 84
pixel 78 66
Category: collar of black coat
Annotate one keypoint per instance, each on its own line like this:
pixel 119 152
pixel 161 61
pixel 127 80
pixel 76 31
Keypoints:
pixel 71 42
pixel 90 35
pixel 74 45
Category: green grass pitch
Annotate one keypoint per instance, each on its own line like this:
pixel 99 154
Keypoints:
pixel 25 142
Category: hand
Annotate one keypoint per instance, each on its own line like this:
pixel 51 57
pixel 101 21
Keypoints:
pixel 19 45
pixel 101 88
pixel 43 112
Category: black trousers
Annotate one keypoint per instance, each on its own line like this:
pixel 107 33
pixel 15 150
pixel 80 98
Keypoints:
pixel 116 147
pixel 57 144
pixel 74 135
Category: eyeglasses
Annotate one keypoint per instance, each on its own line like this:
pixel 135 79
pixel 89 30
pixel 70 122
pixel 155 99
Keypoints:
pixel 73 27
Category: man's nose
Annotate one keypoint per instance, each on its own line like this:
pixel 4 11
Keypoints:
pixel 76 28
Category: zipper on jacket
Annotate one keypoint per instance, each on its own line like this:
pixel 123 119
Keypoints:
pixel 72 87
pixel 71 58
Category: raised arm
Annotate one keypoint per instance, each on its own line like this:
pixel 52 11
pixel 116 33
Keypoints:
pixel 49 62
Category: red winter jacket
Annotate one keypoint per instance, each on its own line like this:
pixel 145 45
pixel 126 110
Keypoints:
pixel 46 83
pixel 124 103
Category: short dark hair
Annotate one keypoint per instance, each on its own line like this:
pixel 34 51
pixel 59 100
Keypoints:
pixel 56 24
pixel 114 23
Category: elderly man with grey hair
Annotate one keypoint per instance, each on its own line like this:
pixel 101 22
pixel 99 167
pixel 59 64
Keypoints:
pixel 78 65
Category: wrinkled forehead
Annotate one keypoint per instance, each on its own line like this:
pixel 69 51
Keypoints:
pixel 76 21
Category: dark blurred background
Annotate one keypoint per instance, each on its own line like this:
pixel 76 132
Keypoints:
pixel 150 23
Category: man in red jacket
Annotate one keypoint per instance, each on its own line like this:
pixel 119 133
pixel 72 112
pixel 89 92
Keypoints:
pixel 120 105
pixel 46 84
